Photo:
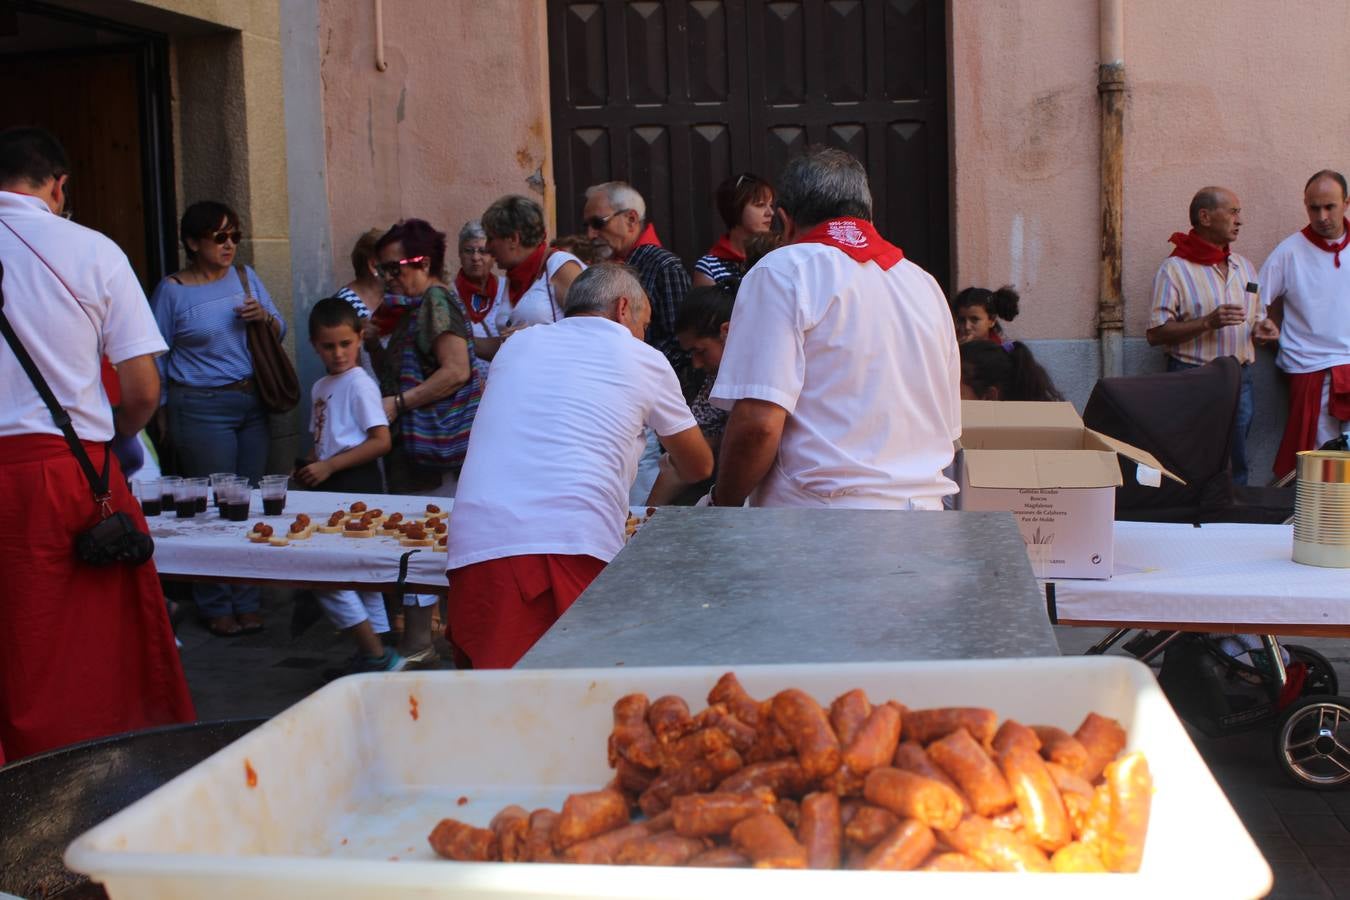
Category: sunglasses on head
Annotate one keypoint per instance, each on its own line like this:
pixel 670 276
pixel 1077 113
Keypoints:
pixel 393 267
pixel 233 237
pixel 598 222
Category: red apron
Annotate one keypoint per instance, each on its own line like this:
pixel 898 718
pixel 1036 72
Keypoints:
pixel 85 651
pixel 500 607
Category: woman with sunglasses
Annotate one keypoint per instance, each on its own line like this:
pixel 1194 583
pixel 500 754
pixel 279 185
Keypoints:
pixel 210 406
pixel 745 204
pixel 482 295
pixel 537 275
pixel 430 389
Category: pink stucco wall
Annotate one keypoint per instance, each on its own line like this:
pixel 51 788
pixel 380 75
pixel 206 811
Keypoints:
pixel 459 118
pixel 1242 93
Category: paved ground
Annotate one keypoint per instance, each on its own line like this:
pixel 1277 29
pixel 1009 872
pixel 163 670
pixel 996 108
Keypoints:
pixel 1304 834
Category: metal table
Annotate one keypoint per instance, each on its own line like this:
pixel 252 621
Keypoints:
pixel 741 586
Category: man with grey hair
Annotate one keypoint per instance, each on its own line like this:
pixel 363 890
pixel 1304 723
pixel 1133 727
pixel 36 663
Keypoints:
pixel 1206 304
pixel 615 215
pixel 543 495
pixel 841 369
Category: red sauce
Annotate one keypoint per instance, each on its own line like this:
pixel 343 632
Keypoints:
pixel 461 801
pixel 250 776
pixel 412 707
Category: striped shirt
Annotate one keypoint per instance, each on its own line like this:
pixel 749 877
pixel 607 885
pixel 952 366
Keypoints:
pixel 1183 291
pixel 718 269
pixel 206 337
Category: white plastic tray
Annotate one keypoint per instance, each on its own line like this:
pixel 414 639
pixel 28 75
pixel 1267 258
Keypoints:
pixel 349 783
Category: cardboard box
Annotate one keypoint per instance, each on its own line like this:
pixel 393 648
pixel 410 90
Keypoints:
pixel 1054 474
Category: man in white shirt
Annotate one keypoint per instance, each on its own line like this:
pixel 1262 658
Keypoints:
pixel 85 651
pixel 1307 281
pixel 841 368
pixel 543 495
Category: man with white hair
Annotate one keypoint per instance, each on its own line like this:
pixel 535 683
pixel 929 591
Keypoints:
pixel 543 496
pixel 841 369
pixel 616 215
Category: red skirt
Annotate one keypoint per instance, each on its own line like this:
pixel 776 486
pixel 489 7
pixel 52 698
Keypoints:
pixel 85 651
pixel 500 607
pixel 1305 409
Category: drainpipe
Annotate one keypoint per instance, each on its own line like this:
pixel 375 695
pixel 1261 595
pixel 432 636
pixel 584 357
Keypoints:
pixel 1111 87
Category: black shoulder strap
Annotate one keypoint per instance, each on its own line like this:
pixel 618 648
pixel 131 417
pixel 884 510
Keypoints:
pixel 98 483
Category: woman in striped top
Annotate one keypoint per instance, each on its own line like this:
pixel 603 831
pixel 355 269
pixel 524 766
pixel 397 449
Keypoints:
pixel 745 204
pixel 211 407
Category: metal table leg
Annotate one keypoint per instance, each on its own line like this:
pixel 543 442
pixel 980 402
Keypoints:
pixel 1106 643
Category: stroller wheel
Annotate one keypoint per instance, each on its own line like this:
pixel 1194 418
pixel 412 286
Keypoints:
pixel 1312 742
pixel 1321 678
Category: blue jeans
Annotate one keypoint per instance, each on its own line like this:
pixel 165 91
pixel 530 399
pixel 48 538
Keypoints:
pixel 1242 425
pixel 219 431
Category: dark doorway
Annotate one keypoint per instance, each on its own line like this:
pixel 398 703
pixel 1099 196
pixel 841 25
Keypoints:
pixel 102 88
pixel 675 96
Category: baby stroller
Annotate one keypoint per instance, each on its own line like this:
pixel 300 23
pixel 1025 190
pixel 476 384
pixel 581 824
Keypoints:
pixel 1220 684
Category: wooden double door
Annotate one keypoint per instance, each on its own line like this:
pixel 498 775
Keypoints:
pixel 675 96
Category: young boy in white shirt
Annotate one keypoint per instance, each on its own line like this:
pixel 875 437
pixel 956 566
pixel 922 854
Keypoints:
pixel 350 433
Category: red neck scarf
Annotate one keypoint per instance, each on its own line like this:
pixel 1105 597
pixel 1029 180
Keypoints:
pixel 1324 244
pixel 521 276
pixel 648 236
pixel 857 238
pixel 723 249
pixel 477 301
pixel 1195 249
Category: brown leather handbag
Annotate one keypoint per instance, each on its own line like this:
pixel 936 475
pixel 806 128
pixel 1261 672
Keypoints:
pixel 273 372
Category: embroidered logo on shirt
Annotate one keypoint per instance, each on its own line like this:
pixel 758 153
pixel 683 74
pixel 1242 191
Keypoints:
pixel 845 232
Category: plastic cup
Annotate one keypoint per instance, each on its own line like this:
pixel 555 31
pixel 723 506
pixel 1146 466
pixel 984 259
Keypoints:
pixel 167 485
pixel 274 494
pixel 150 493
pixel 200 488
pixel 185 499
pixel 217 479
pixel 238 495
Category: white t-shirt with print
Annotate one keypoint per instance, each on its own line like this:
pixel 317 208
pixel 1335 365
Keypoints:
pixel 556 441
pixel 866 364
pixel 343 409
pixel 88 304
pixel 539 304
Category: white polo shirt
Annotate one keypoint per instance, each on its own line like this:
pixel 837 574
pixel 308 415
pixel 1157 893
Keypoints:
pixel 1315 332
pixel 86 305
pixel 866 364
pixel 556 441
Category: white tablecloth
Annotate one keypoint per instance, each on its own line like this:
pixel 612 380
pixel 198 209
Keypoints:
pixel 1213 574
pixel 206 546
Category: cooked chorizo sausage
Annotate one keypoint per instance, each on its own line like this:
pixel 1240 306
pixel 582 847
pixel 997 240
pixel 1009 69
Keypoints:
pixel 768 843
pixel 1076 857
pixel 602 849
pixel 782 776
pixel 927 725
pixel 454 839
pixel 951 861
pixel 701 744
pixel 915 797
pixel 587 815
pixel 1058 746
pixel 874 743
pixel 729 692
pixel 719 858
pixel 908 845
pixel 664 849
pixel 869 825
pixel 848 712
pixel 771 742
pixel 1043 815
pixel 995 848
pixel 706 815
pixel 911 757
pixel 1103 739
pixel 965 761
pixel 669 718
pixel 632 739
pixel 718 716
pixel 808 728
pixel 539 839
pixel 1126 793
pixel 820 830
pixel 1014 734
pixel 511 826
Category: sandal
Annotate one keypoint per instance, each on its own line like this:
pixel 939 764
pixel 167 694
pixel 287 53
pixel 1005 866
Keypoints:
pixel 249 623
pixel 223 626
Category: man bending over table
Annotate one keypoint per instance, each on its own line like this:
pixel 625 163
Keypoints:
pixel 543 495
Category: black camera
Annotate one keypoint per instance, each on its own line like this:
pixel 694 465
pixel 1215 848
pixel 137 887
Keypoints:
pixel 114 540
